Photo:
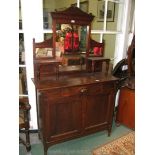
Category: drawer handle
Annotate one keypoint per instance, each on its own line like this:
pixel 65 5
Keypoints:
pixel 83 90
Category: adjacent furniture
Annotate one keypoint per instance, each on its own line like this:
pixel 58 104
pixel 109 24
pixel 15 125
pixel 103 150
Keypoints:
pixel 126 105
pixel 24 108
pixel 126 108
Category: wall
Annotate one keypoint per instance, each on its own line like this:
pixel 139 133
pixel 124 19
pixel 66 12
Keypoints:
pixel 49 5
pixel 57 4
pixel 64 4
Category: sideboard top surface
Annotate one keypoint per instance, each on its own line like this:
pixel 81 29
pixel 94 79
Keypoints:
pixel 83 79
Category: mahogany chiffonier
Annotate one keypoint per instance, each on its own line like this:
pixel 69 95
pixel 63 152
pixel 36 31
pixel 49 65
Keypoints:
pixel 71 100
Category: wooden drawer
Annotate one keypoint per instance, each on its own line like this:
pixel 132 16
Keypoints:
pixel 100 88
pixel 65 92
pixel 85 89
pixel 94 89
pixel 71 91
pixel 107 87
pixel 79 90
pixel 54 93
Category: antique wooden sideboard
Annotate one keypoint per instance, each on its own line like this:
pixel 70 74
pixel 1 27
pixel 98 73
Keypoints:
pixel 73 107
pixel 74 97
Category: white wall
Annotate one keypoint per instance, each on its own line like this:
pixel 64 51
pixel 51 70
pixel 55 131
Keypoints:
pixel 32 28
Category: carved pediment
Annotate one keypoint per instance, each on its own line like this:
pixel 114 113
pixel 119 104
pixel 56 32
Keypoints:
pixel 72 14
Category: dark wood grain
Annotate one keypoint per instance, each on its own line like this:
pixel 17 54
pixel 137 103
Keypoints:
pixel 74 107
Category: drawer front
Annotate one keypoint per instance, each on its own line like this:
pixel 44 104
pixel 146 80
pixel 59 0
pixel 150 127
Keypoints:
pixel 64 92
pixel 100 88
pixel 107 87
pixel 71 91
pixel 54 93
pixel 92 89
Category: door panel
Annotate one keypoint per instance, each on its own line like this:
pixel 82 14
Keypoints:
pixel 64 115
pixel 99 102
pixel 96 111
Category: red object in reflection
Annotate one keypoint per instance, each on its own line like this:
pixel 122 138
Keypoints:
pixel 68 41
pixel 97 50
pixel 76 41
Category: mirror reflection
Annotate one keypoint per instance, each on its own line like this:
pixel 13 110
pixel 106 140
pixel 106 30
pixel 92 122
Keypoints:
pixel 70 44
pixel 70 39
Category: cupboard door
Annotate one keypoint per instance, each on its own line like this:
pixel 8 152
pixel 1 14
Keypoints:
pixel 63 117
pixel 99 107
